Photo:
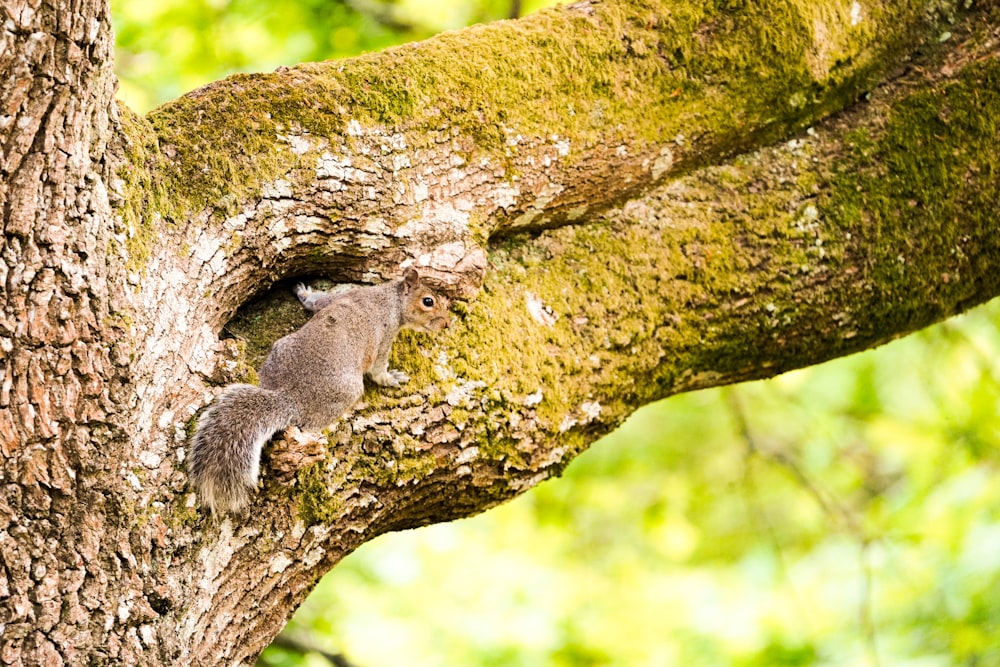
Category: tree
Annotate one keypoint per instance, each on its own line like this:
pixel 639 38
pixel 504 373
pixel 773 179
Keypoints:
pixel 570 173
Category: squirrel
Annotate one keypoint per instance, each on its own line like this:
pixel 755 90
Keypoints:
pixel 309 379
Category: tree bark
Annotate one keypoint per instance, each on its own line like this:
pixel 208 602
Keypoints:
pixel 571 174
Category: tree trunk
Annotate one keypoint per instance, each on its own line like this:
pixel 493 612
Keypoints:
pixel 570 174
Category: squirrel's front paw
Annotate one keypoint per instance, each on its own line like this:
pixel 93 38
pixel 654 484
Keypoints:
pixel 399 376
pixel 391 378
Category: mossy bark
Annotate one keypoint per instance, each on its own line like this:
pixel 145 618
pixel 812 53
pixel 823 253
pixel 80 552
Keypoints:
pixel 582 177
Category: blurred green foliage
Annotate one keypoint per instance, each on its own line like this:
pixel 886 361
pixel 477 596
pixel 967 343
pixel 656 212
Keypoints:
pixel 843 515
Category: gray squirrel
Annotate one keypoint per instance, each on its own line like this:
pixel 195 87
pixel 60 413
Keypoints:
pixel 309 379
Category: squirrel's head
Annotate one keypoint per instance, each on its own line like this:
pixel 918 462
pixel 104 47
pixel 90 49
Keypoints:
pixel 423 308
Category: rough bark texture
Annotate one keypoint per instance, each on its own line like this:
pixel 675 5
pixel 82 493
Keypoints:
pixel 569 173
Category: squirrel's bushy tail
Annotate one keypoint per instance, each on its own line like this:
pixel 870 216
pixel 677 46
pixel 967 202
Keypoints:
pixel 225 453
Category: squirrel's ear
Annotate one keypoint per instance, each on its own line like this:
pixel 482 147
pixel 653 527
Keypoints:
pixel 411 279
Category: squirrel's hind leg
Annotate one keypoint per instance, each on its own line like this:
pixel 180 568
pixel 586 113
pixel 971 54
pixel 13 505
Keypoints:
pixel 328 399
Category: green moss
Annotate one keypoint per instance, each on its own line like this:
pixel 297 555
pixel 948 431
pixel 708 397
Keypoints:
pixel 413 353
pixel 412 465
pixel 459 417
pixel 190 426
pixel 609 288
pixel 318 502
pixel 938 155
pixel 183 516
pixel 320 490
pixel 144 201
pixel 249 357
pixel 414 468
pixel 716 77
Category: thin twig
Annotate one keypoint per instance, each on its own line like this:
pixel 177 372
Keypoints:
pixel 302 647
pixel 866 606
pixel 830 506
pixel 756 505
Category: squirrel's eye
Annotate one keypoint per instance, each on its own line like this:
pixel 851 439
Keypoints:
pixel 428 302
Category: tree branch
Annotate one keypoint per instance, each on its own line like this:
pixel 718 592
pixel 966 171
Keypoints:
pixel 876 223
pixel 785 258
pixel 580 155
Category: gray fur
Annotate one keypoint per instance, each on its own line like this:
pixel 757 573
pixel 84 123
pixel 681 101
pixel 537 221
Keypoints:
pixel 225 454
pixel 309 379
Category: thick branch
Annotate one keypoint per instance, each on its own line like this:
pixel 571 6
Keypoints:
pixel 478 144
pixel 522 124
pixel 876 223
